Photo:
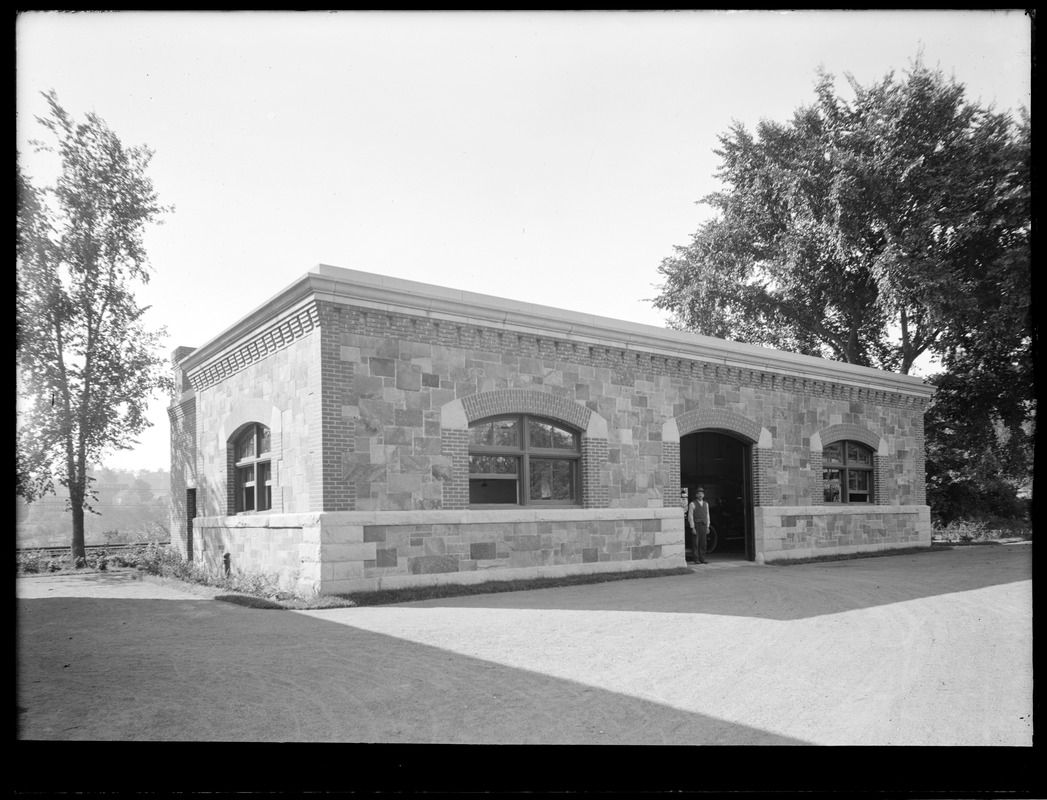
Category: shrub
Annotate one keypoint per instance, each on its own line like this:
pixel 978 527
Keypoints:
pixel 32 561
pixel 983 530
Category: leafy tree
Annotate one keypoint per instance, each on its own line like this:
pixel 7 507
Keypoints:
pixel 875 230
pixel 870 231
pixel 87 364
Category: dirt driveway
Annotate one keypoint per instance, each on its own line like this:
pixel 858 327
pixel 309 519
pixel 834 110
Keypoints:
pixel 928 649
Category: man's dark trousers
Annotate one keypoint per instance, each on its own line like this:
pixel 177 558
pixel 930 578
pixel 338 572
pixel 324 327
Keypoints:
pixel 701 534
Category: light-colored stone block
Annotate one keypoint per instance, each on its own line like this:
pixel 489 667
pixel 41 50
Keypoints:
pixel 341 534
pixel 347 570
pixel 310 552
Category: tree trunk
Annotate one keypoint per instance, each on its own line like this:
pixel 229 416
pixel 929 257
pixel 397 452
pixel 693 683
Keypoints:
pixel 78 550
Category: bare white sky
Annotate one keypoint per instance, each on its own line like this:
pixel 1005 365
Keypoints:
pixel 551 157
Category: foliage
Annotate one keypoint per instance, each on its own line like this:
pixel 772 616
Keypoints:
pixel 86 363
pixel 986 530
pixel 869 231
pixel 874 231
pixel 980 439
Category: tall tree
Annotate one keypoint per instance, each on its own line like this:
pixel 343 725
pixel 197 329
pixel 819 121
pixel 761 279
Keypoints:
pixel 870 230
pixel 87 364
pixel 875 230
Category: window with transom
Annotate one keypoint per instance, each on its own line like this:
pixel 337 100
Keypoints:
pixel 847 473
pixel 524 460
pixel 253 465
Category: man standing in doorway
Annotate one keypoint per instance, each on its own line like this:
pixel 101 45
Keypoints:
pixel 698 521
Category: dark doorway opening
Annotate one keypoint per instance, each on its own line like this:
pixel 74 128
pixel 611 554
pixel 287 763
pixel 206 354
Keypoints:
pixel 720 463
pixel 190 513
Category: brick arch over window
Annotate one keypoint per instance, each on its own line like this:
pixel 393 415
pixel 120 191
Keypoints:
pixel 456 416
pixel 526 401
pixel 854 433
pixel 721 419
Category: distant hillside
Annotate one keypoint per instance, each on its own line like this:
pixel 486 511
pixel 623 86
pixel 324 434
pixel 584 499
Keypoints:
pixel 131 506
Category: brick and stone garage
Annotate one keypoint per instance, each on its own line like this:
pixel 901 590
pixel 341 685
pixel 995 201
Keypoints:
pixel 359 432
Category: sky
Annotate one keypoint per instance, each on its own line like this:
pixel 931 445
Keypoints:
pixel 547 157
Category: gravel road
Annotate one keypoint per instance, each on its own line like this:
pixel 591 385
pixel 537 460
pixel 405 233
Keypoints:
pixel 926 649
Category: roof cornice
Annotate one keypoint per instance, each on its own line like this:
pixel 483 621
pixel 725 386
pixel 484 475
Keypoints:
pixel 396 295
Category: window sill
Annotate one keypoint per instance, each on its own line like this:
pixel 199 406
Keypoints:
pixel 511 506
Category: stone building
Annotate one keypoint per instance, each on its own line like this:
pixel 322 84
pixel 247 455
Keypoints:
pixel 359 432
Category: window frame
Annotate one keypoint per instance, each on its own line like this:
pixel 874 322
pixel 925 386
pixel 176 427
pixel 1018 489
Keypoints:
pixel 253 465
pixel 523 452
pixel 846 469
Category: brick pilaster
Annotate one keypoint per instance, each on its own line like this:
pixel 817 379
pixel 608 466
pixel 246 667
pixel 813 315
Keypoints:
pixel 595 493
pixel 763 490
pixel 817 481
pixel 455 444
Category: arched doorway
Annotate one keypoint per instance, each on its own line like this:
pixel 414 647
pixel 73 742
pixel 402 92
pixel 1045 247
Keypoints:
pixel 721 463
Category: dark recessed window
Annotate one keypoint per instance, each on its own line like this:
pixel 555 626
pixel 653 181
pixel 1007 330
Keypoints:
pixel 847 473
pixel 523 460
pixel 254 484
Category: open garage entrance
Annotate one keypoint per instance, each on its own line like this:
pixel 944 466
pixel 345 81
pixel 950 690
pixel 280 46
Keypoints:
pixel 721 463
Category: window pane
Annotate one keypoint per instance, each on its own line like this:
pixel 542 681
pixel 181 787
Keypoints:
pixel 249 498
pixel 856 454
pixel 833 454
pixel 500 432
pixel 493 465
pixel 552 479
pixel 831 479
pixel 265 491
pixel 857 481
pixel 246 475
pixel 245 447
pixel 493 490
pixel 264 440
pixel 544 434
pixel 482 433
pixel 506 433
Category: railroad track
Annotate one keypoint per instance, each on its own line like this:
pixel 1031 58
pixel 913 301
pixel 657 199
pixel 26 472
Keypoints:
pixel 91 548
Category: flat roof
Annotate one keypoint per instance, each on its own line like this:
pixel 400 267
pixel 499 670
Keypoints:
pixel 396 295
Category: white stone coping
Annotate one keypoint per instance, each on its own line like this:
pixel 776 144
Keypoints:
pixel 395 295
pixel 437 517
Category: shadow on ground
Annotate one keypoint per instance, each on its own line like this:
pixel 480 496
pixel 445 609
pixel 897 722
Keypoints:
pixel 197 670
pixel 784 592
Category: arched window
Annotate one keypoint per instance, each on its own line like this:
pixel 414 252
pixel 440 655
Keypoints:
pixel 254 484
pixel 524 460
pixel 847 472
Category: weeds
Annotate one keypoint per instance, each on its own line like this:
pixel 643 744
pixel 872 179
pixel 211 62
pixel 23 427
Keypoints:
pixel 981 531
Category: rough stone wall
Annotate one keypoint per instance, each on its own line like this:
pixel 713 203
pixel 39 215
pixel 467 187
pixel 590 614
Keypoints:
pixel 405 369
pixel 802 532
pixel 181 415
pixel 281 390
pixel 182 418
pixel 332 553
pixel 256 544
